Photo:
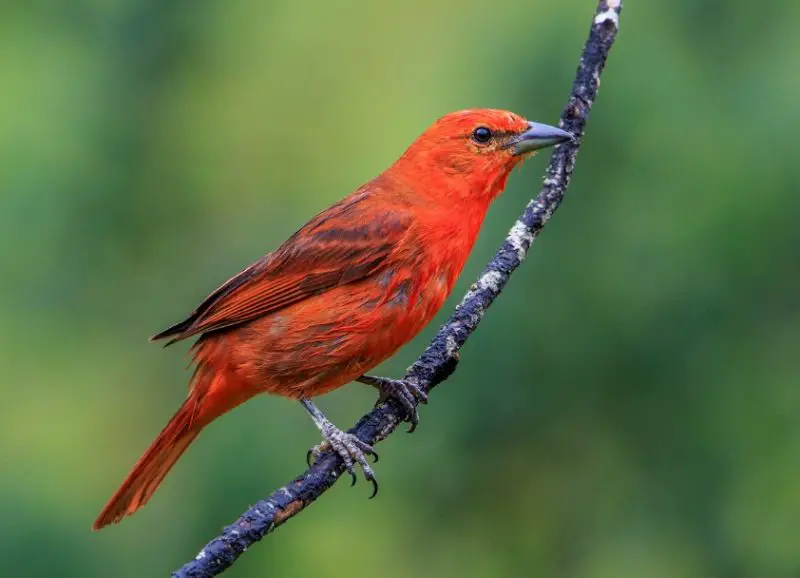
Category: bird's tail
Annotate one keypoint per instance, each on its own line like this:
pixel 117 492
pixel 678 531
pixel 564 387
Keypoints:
pixel 151 468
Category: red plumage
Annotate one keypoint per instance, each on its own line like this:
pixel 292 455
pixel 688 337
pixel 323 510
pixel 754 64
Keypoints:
pixel 342 294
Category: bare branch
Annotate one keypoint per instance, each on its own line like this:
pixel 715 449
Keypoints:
pixel 438 361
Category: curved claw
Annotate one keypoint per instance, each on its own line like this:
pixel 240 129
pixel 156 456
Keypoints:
pixel 368 450
pixel 351 450
pixel 406 394
pixel 419 393
pixel 314 453
pixel 374 488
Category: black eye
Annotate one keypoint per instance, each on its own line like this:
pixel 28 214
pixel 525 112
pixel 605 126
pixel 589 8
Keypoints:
pixel 482 135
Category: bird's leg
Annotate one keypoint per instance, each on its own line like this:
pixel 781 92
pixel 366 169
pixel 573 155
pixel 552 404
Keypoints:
pixel 407 395
pixel 351 449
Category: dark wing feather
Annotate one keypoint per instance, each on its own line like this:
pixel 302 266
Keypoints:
pixel 343 244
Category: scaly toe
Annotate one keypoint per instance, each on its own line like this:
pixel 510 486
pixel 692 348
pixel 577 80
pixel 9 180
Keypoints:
pixel 418 392
pixel 352 451
pixel 406 394
pixel 359 451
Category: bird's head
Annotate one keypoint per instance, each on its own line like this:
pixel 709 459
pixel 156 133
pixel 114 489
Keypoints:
pixel 470 153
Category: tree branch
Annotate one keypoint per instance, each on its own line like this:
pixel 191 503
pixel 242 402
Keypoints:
pixel 438 361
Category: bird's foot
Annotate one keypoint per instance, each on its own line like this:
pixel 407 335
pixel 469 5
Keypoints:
pixel 408 395
pixel 351 449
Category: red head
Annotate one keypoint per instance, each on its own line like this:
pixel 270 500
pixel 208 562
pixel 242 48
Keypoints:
pixel 468 155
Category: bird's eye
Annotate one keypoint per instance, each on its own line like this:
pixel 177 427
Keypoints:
pixel 481 135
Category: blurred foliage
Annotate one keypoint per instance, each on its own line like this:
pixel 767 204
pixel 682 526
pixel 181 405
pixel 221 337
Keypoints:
pixel 628 408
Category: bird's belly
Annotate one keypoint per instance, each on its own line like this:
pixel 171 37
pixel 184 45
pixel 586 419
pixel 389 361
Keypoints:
pixel 327 341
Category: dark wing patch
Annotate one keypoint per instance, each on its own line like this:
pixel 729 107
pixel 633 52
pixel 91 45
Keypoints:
pixel 343 244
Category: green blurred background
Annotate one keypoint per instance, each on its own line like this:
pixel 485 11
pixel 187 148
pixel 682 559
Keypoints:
pixel 628 408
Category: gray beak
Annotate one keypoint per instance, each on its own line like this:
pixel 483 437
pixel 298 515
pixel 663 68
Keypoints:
pixel 538 136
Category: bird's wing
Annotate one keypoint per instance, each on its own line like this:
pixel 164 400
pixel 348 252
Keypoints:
pixel 345 243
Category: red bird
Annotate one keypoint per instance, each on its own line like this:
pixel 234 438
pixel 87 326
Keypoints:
pixel 343 293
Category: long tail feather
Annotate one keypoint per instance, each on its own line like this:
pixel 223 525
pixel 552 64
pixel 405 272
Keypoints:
pixel 151 468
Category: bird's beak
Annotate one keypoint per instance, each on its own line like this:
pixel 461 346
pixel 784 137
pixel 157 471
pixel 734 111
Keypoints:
pixel 538 136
